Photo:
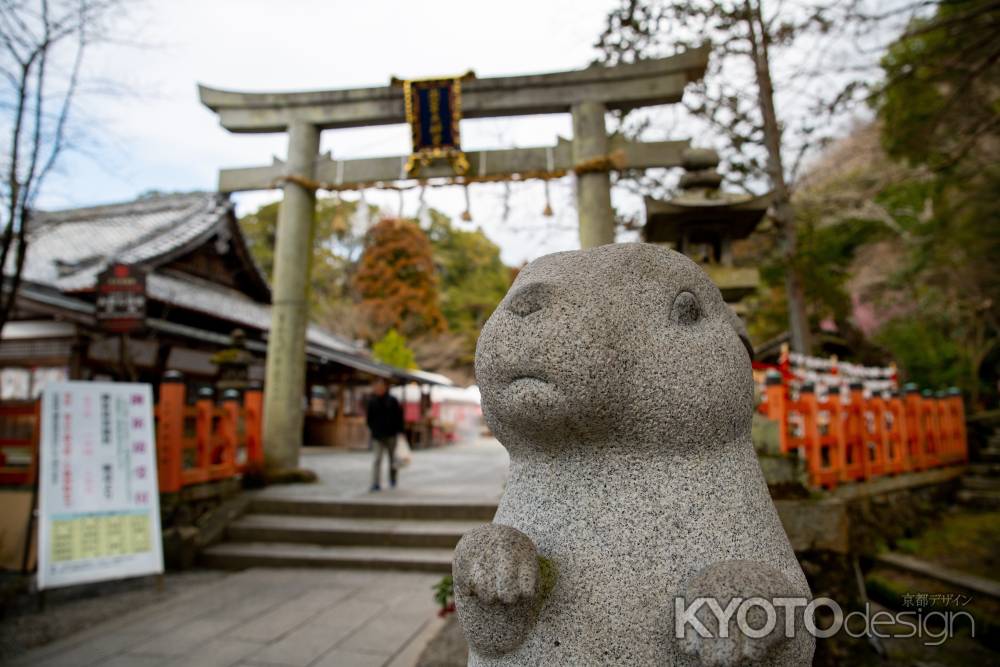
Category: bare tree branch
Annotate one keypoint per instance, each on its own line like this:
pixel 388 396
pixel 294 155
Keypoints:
pixel 32 34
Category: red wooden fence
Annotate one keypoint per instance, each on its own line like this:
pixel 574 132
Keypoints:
pixel 853 438
pixel 198 443
pixel 18 442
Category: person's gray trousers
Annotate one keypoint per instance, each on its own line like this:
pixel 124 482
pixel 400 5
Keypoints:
pixel 387 445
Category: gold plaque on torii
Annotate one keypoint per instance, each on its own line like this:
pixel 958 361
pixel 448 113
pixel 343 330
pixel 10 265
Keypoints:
pixel 434 111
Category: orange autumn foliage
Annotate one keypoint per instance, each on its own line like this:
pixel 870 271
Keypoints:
pixel 397 282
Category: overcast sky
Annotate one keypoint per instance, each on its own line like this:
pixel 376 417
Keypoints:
pixel 158 136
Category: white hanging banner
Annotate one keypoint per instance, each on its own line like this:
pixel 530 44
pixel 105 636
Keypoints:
pixel 98 502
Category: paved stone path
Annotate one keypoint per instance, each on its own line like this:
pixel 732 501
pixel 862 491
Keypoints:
pixel 476 471
pixel 260 617
pixel 299 618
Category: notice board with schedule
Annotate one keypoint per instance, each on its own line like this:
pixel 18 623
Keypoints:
pixel 98 499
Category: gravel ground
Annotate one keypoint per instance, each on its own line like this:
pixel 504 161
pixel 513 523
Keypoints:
pixel 25 624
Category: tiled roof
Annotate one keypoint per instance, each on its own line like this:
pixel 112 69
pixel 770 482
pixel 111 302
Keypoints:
pixel 211 298
pixel 67 249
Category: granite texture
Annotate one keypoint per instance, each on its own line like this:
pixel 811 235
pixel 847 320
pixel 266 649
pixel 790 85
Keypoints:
pixel 618 381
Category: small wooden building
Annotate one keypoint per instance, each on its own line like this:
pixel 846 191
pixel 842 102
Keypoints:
pixel 202 284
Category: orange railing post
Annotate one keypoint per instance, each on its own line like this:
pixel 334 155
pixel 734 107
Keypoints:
pixel 253 407
pixel 895 428
pixel 219 432
pixel 875 435
pixel 931 430
pixel 830 446
pixel 856 460
pixel 914 427
pixel 809 413
pixel 205 407
pixel 946 434
pixel 19 430
pixel 776 402
pixel 36 433
pixel 229 431
pixel 855 439
pixel 821 473
pixel 170 432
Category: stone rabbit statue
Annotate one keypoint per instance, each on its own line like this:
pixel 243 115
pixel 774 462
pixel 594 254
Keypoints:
pixel 620 383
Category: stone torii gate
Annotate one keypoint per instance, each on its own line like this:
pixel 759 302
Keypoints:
pixel 586 94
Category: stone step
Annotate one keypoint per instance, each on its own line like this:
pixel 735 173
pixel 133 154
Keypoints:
pixel 979 499
pixel 980 483
pixel 243 555
pixel 989 455
pixel 349 531
pixel 970 582
pixel 985 469
pixel 383 508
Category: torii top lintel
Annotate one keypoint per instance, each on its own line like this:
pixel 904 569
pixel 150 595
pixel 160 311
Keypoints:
pixel 644 83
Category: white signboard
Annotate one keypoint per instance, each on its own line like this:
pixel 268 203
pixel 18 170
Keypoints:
pixel 99 506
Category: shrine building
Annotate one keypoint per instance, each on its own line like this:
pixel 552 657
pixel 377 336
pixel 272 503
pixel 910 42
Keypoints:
pixel 201 286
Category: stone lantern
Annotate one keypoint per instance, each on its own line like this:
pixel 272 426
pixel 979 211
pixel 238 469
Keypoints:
pixel 233 364
pixel 702 221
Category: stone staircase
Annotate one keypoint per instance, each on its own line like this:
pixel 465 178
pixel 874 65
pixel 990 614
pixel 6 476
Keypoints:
pixel 388 533
pixel 981 485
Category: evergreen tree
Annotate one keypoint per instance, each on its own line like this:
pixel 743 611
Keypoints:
pixel 336 246
pixel 473 280
pixel 392 349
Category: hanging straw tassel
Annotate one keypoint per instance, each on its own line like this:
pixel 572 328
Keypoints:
pixel 467 213
pixel 423 202
pixel 363 212
pixel 547 211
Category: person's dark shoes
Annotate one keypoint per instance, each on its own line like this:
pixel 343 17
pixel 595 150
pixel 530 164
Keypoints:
pixel 393 484
pixel 375 487
pixel 392 479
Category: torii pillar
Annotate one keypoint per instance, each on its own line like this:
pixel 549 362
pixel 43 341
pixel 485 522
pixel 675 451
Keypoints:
pixel 586 94
pixel 593 189
pixel 285 372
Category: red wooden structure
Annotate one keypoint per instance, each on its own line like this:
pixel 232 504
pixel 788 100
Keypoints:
pixel 198 443
pixel 18 442
pixel 853 438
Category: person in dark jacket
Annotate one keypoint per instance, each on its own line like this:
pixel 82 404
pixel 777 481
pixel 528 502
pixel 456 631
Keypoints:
pixel 385 421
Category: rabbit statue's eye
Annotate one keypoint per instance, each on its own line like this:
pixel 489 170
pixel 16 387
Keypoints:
pixel 686 309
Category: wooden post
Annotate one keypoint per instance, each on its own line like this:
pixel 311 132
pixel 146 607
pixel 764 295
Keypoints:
pixel 914 427
pixel 929 420
pixel 861 468
pixel 812 437
pixel 899 432
pixel 838 434
pixel 31 530
pixel 876 435
pixel 229 430
pixel 777 406
pixel 203 428
pixel 253 401
pixel 170 432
